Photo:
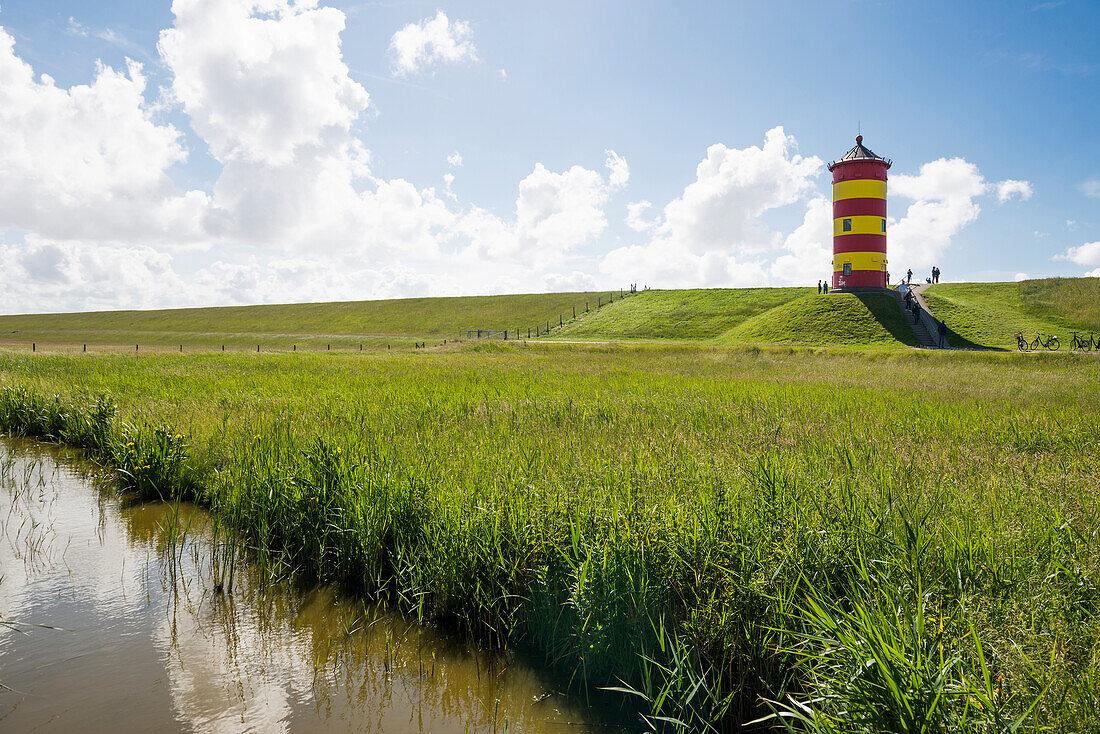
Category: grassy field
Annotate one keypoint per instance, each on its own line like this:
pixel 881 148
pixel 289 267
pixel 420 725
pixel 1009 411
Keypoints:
pixel 886 540
pixel 687 315
pixel 988 315
pixel 982 315
pixel 1074 302
pixel 344 324
pixel 835 319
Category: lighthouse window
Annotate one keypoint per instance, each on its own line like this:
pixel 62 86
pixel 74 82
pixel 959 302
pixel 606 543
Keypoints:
pixel 883 225
pixel 847 225
pixel 847 268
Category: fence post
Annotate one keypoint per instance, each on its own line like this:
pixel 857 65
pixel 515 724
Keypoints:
pixel 574 312
pixel 34 347
pixel 560 322
pixel 294 347
pixel 135 347
pixel 586 306
pixel 257 349
pixel 85 347
pixel 223 347
pixel 181 347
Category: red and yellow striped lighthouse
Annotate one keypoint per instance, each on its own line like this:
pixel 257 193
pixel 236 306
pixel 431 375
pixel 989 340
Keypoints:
pixel 859 218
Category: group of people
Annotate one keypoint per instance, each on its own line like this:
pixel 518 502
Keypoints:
pixel 935 278
pixel 913 305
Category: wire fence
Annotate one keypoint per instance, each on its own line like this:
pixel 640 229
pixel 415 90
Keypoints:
pixel 538 330
pixel 547 327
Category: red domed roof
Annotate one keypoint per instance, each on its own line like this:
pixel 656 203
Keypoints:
pixel 860 153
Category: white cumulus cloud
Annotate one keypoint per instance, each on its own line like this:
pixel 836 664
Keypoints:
pixel 944 193
pixel 89 161
pixel 635 215
pixel 1091 188
pixel 618 168
pixel 809 249
pixel 712 234
pixel 1086 254
pixel 46 275
pixel 559 211
pixel 422 46
pixel 262 80
pixel 1011 187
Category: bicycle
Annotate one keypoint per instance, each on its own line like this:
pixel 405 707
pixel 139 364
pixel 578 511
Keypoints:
pixel 1083 345
pixel 1046 341
pixel 1021 342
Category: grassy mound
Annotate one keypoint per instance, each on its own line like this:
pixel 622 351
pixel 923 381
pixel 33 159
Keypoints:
pixel 989 314
pixel 338 322
pixel 679 314
pixel 1073 301
pixel 837 318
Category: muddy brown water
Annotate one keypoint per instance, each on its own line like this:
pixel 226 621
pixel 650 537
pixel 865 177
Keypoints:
pixel 107 625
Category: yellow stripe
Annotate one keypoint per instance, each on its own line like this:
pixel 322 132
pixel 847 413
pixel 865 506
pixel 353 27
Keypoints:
pixel 860 188
pixel 860 225
pixel 859 261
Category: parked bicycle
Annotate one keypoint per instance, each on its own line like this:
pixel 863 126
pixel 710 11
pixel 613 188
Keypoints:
pixel 1046 341
pixel 1081 343
pixel 1021 342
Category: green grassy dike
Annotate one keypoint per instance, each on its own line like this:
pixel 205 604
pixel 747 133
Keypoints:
pixel 344 324
pixel 988 315
pixel 877 541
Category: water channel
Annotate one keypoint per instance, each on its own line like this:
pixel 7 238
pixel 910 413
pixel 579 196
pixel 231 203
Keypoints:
pixel 112 622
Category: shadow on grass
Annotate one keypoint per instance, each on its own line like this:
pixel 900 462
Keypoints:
pixel 959 341
pixel 888 313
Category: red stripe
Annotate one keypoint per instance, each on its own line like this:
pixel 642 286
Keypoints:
pixel 859 207
pixel 848 170
pixel 859 243
pixel 860 279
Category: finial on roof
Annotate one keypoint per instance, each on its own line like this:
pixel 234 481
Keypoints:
pixel 859 138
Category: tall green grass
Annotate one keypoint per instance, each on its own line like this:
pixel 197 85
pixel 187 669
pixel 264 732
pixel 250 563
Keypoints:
pixel 836 541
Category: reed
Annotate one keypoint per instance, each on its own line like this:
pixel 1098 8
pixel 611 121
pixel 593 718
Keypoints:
pixel 826 540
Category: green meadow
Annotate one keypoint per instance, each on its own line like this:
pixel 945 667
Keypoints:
pixel 826 539
pixel 988 315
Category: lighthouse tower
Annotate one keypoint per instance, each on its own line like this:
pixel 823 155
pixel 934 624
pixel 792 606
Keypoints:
pixel 859 218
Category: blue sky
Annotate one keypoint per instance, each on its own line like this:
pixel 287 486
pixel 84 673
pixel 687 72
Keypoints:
pixel 299 151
